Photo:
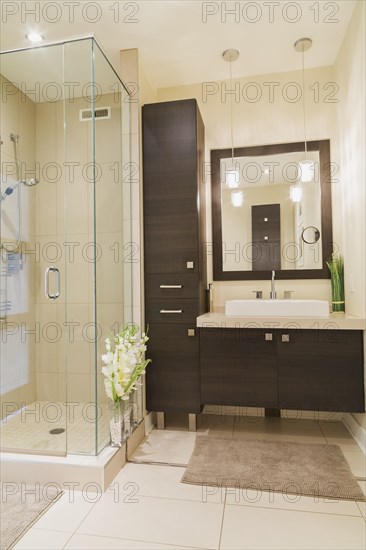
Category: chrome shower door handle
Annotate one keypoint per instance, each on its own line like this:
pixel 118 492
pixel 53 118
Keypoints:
pixel 56 294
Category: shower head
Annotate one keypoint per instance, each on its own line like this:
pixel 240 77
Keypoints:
pixel 14 138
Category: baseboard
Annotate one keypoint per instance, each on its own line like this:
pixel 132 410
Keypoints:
pixel 135 439
pixel 150 421
pixel 233 410
pixel 357 432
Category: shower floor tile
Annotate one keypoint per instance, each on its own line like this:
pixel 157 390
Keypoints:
pixel 29 429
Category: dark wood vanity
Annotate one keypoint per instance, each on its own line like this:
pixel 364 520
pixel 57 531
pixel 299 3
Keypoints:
pixel 314 370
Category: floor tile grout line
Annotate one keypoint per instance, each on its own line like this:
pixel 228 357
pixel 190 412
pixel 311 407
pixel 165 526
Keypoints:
pixel 68 540
pixel 222 523
pixel 168 545
pixel 301 511
pixel 361 510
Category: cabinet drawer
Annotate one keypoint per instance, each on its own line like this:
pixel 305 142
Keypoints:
pixel 172 286
pixel 172 310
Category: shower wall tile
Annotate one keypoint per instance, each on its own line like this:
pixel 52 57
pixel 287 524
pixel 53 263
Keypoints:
pixel 27 131
pixel 79 388
pixel 61 387
pixel 48 127
pixel 76 350
pixel 47 386
pixel 10 100
pixel 78 145
pixel 109 150
pixel 75 199
pixel 109 268
pixel 49 338
pixel 46 209
pixel 108 198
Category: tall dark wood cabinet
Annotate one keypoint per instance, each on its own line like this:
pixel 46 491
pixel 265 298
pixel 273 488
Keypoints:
pixel 174 252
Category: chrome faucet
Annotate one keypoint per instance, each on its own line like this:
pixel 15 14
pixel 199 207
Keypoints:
pixel 273 293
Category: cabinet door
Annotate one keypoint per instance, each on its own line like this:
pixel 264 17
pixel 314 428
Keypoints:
pixel 170 186
pixel 238 367
pixel 321 370
pixel 173 380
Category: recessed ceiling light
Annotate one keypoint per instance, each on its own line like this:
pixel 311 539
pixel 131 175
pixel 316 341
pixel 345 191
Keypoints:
pixel 34 37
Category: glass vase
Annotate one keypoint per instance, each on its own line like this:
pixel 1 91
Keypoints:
pixel 338 301
pixel 117 424
pixel 134 410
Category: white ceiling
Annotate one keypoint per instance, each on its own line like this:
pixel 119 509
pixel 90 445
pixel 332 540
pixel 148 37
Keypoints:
pixel 177 47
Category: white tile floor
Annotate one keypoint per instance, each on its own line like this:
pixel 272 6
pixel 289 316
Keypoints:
pixel 146 507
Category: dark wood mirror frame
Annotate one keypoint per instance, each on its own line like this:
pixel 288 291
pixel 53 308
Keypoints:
pixel 323 146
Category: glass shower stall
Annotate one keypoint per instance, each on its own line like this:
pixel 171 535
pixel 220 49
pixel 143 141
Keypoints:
pixel 66 246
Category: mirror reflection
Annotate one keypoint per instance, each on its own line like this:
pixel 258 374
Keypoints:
pixel 265 208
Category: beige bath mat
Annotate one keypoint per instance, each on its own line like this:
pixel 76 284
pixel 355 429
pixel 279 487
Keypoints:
pixel 21 506
pixel 318 470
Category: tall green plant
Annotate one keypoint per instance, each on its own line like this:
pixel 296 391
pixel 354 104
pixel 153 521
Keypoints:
pixel 336 269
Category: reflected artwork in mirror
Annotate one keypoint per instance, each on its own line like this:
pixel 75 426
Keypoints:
pixel 272 219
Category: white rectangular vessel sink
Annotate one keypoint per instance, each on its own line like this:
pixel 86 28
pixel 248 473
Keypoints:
pixel 277 308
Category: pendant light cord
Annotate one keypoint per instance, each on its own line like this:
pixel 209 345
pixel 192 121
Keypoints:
pixel 304 100
pixel 231 116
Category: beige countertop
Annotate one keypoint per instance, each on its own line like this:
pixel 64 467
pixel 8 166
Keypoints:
pixel 218 319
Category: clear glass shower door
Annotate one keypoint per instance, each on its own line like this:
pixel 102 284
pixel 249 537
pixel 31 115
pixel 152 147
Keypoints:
pixel 33 374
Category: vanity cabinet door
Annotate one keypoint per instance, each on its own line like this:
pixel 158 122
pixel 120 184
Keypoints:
pixel 238 367
pixel 321 370
pixel 173 378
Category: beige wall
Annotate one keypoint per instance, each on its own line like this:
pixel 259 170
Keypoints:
pixel 350 75
pixel 133 73
pixel 271 119
pixel 18 379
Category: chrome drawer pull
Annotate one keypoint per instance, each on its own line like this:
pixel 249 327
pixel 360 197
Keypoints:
pixel 171 286
pixel 171 311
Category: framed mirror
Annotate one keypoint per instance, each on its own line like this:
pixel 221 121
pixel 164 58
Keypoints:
pixel 270 210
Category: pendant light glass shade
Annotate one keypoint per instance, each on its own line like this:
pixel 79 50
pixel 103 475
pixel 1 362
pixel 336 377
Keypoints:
pixel 296 193
pixel 237 198
pixel 232 178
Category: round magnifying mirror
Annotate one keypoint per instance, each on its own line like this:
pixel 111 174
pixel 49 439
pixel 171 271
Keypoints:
pixel 310 235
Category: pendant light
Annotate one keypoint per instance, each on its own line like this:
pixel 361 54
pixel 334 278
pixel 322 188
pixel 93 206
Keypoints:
pixel 237 198
pixel 296 193
pixel 232 175
pixel 306 166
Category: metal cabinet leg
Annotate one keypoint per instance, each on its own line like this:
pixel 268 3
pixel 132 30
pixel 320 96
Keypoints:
pixel 160 420
pixel 192 422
